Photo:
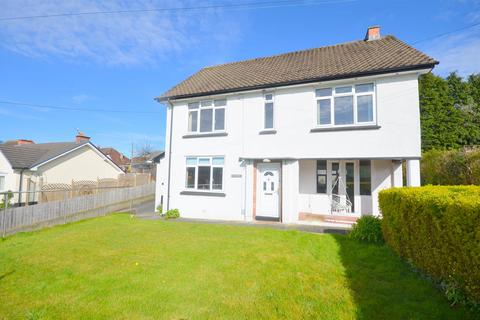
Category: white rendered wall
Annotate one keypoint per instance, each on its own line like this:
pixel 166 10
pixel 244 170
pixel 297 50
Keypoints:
pixel 413 173
pixel 160 183
pixel 7 171
pixel 381 179
pixel 294 117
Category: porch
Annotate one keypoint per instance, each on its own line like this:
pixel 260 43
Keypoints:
pixel 325 191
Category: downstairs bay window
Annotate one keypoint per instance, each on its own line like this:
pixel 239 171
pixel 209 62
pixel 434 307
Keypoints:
pixel 204 173
pixel 347 105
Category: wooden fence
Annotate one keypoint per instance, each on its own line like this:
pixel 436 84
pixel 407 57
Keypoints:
pixel 18 219
pixel 61 191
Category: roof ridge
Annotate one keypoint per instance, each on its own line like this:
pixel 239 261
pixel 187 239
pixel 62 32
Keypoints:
pixel 297 51
pixel 348 59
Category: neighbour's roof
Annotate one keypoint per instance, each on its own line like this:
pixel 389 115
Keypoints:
pixel 346 60
pixel 156 154
pixel 28 156
pixel 115 155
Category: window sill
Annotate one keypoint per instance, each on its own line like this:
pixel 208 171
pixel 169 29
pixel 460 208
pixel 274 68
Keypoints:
pixel 268 131
pixel 347 128
pixel 203 193
pixel 202 135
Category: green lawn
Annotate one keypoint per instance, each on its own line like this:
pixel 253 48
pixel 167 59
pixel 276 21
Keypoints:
pixel 122 267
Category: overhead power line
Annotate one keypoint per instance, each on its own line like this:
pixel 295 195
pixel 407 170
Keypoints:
pixel 244 5
pixel 447 33
pixel 42 106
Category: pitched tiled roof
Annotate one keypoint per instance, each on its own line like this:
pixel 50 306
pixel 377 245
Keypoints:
pixel 351 59
pixel 28 156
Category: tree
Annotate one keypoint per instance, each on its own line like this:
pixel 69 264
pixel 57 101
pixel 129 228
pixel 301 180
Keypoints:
pixel 449 111
pixel 440 120
pixel 143 149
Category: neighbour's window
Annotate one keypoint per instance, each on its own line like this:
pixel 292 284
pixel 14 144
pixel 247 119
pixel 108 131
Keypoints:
pixel 204 173
pixel 365 178
pixel 345 105
pixel 321 176
pixel 268 111
pixel 2 184
pixel 206 116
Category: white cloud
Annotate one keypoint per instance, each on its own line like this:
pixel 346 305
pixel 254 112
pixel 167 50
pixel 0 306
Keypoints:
pixel 81 98
pixel 457 52
pixel 113 39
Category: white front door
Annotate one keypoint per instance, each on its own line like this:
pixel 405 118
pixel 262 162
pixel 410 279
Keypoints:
pixel 268 191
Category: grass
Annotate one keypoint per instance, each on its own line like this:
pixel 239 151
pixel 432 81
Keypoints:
pixel 121 267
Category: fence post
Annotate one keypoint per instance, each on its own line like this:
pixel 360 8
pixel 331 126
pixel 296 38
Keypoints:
pixel 4 218
pixel 71 193
pixel 64 207
pixel 131 200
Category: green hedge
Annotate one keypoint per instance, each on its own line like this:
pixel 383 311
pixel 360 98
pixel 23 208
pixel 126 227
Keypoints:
pixel 437 229
pixel 451 167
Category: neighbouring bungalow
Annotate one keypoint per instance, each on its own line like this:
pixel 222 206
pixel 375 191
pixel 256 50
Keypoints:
pixel 27 166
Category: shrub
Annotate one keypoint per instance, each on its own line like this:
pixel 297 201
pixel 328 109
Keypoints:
pixel 437 229
pixel 451 167
pixel 159 209
pixel 5 199
pixel 172 214
pixel 368 229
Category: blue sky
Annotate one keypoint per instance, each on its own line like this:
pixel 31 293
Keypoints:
pixel 122 61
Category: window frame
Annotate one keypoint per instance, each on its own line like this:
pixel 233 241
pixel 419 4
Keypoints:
pixel 265 101
pixel 211 165
pixel 353 94
pixel 360 182
pixel 318 164
pixel 198 108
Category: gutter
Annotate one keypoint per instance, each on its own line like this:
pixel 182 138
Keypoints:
pixel 301 82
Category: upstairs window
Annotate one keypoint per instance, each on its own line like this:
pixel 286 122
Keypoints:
pixel 345 105
pixel 206 116
pixel 204 173
pixel 268 111
pixel 2 184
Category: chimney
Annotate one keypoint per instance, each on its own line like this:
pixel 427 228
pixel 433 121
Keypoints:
pixel 19 142
pixel 373 33
pixel 24 142
pixel 81 137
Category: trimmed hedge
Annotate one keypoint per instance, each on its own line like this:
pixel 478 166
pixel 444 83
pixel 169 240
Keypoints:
pixel 437 229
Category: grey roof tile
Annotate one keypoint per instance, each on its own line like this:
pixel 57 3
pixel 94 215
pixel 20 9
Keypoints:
pixel 28 156
pixel 332 62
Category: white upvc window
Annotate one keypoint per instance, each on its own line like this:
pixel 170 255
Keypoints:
pixel 204 173
pixel 206 116
pixel 346 105
pixel 268 112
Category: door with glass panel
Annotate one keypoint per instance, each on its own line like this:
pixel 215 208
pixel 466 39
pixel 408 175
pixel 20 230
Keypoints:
pixel 342 186
pixel 268 191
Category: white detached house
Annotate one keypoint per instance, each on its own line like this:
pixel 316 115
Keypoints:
pixel 295 136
